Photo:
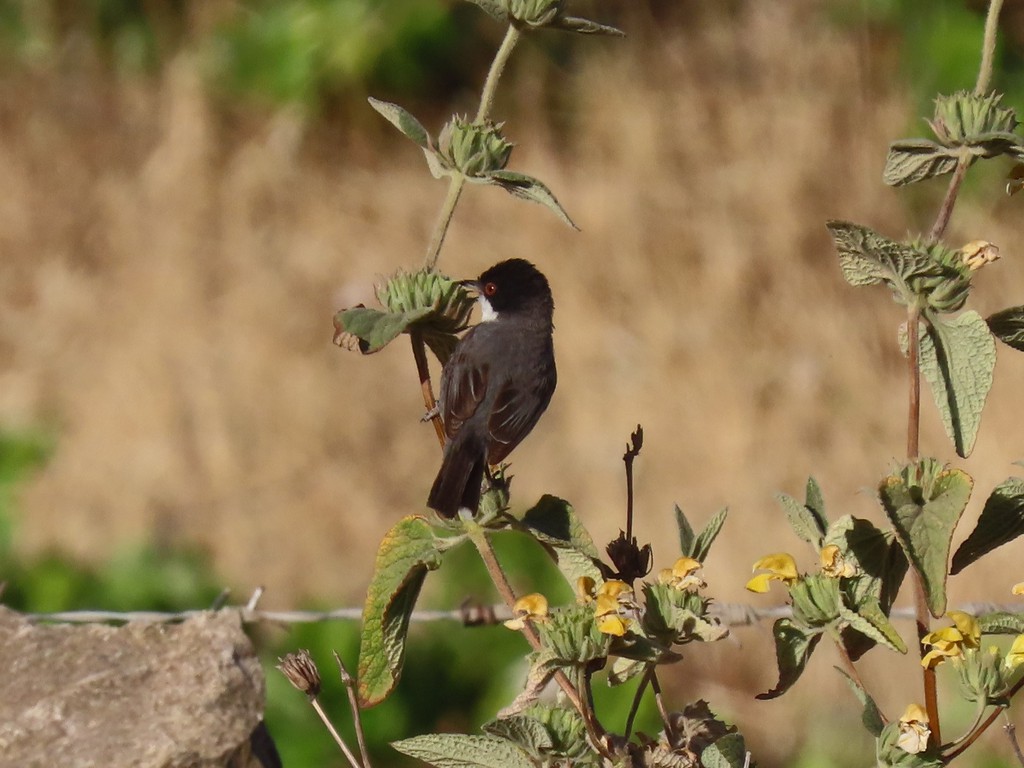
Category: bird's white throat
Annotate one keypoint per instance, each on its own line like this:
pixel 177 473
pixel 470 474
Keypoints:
pixel 487 313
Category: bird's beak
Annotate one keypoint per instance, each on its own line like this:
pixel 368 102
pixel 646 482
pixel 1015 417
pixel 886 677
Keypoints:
pixel 471 285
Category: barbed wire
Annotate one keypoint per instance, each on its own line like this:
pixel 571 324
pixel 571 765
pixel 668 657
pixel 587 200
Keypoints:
pixel 468 614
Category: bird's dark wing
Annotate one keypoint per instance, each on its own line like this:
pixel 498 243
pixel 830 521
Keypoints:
pixel 463 386
pixel 513 415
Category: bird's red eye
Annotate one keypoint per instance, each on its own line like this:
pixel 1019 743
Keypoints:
pixel 490 289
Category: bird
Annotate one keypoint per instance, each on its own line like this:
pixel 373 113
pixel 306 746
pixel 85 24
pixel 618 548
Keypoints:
pixel 497 382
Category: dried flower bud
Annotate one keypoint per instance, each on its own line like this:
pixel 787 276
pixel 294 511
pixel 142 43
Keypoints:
pixel 301 672
pixel 630 560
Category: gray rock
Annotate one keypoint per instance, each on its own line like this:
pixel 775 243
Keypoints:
pixel 143 695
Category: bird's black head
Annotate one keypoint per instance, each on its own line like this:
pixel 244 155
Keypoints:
pixel 515 287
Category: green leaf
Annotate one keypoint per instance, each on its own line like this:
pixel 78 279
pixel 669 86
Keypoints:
pixel 1008 327
pixel 803 520
pixel 868 258
pixel 405 555
pixel 924 503
pixel 375 329
pixel 403 120
pixel 1001 623
pixel 556 526
pixel 815 502
pixel 958 357
pixel 527 732
pixel 881 567
pixel 728 752
pixel 456 750
pixel 912 160
pixel 870 621
pixel 624 670
pixel 527 188
pixel 794 645
pixel 871 716
pixel 494 9
pixel 702 545
pixel 584 27
pixel 686 534
pixel 566 729
pixel 1001 521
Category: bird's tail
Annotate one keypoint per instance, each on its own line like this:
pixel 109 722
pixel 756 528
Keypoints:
pixel 458 481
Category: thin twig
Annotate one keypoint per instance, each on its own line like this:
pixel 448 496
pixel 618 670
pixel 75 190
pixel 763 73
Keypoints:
pixel 978 715
pixel 334 733
pixel 1011 733
pixel 637 698
pixel 444 219
pixel 946 209
pixel 656 687
pixel 353 703
pixel 632 451
pixel 985 724
pixel 923 621
pixel 419 353
pixel 483 545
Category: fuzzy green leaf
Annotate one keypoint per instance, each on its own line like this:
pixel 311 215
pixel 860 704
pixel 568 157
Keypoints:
pixel 556 525
pixel 1001 521
pixel 1008 327
pixel 803 520
pixel 870 621
pixel 924 503
pixel 868 258
pixel 522 730
pixel 958 357
pixel 494 9
pixel 913 160
pixel 730 751
pixel 702 544
pixel 1001 623
pixel 794 645
pixel 871 716
pixel 405 555
pixel 584 27
pixel 624 670
pixel 403 120
pixel 527 188
pixel 374 328
pixel 457 750
pixel 815 502
pixel 686 534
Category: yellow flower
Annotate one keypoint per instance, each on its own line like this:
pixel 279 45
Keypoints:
pixel 834 564
pixel 614 604
pixel 950 642
pixel 532 607
pixel 780 567
pixel 682 575
pixel 586 589
pixel 978 253
pixel 914 730
pixel 1015 656
pixel 1018 589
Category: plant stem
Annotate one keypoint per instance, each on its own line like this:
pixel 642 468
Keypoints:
pixel 334 733
pixel 914 376
pixel 483 545
pixel 457 180
pixel 357 718
pixel 637 698
pixel 984 726
pixel 946 209
pixel 988 49
pixel 419 352
pixel 1011 733
pixel 444 219
pixel 494 75
pixel 923 621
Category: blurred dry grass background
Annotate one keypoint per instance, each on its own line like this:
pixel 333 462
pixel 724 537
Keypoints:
pixel 167 282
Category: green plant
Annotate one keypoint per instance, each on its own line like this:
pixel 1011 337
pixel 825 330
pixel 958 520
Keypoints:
pixel 862 568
